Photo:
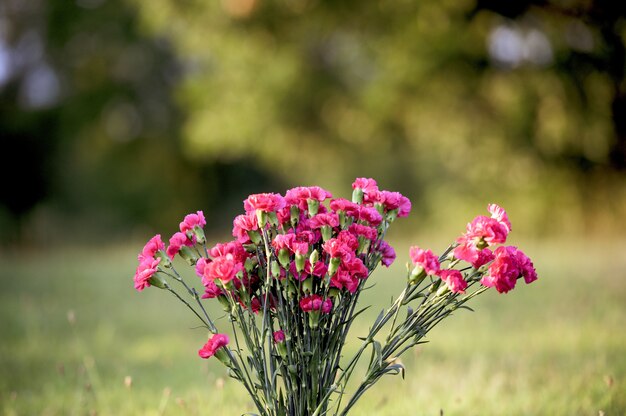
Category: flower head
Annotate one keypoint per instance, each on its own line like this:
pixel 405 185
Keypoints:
pixel 454 280
pixel 177 241
pixel 267 202
pixel 146 269
pixel 192 220
pixel 224 268
pixel 214 343
pixel 425 259
pixel 279 336
pixel 505 269
pixel 154 245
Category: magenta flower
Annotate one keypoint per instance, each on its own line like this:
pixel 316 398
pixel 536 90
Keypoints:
pixel 146 269
pixel 279 336
pixel 504 270
pixel 318 270
pixel 316 303
pixel 214 343
pixel 395 200
pixel 355 267
pixel 224 268
pixel 454 280
pixel 370 215
pixel 425 259
pixel 369 188
pixel 526 267
pixel 264 202
pixel 234 248
pixel 300 195
pixel 192 220
pixel 244 223
pixel 499 214
pixel 350 208
pixel 336 248
pixel 487 229
pixel 388 253
pixel 363 230
pixel 484 256
pixel 343 279
pixel 177 241
pixel 211 290
pixel 318 221
pixel 154 245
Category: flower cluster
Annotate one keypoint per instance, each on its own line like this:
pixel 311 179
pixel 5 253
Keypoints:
pixel 291 276
pixel 508 263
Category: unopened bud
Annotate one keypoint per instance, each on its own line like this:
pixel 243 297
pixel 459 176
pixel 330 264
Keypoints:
pixel 254 235
pixel 314 319
pixel 327 232
pixel 442 290
pixel 283 257
pixel 333 265
pixel 417 275
pixel 294 211
pixel 307 285
pixel 199 233
pixel 158 280
pixel 188 255
pixel 261 217
pixel 275 269
pixel 300 259
pixel 313 205
pixel 314 257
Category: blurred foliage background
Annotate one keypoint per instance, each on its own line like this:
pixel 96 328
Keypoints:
pixel 120 115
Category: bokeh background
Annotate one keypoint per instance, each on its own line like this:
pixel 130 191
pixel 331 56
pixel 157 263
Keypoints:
pixel 118 117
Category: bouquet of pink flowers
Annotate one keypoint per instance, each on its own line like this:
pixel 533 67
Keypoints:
pixel 290 282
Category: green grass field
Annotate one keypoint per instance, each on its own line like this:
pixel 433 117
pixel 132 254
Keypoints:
pixel 76 339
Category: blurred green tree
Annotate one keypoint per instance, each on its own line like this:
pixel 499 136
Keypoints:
pixel 451 102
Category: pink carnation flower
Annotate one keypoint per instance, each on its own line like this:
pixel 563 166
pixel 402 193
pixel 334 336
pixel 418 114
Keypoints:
pixel 395 200
pixel 301 194
pixel 370 215
pixel 363 230
pixel 234 248
pixel 526 267
pixel 336 248
pixel 211 290
pixel 177 241
pixel 264 202
pixel 318 221
pixel 499 214
pixel 355 267
pixel 318 270
pixel 154 245
pixel 369 188
pixel 425 259
pixel 350 208
pixel 504 270
pixel 348 239
pixel 343 279
pixel 146 269
pixel 216 342
pixel 316 303
pixel 483 257
pixel 388 253
pixel 244 223
pixel 279 336
pixel 454 280
pixel 488 229
pixel 191 221
pixel 224 268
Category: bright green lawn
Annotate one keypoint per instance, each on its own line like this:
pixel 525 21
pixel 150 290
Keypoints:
pixel 556 347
